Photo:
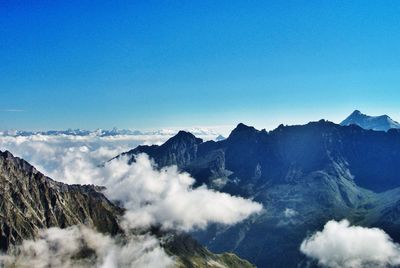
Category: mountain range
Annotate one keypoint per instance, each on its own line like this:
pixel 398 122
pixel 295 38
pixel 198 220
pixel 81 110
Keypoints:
pixel 304 176
pixel 31 201
pixel 382 122
pixel 108 132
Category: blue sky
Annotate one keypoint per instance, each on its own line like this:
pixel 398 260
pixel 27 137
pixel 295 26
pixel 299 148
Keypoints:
pixel 157 64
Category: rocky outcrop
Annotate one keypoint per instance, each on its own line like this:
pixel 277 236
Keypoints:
pixel 179 150
pixel 31 201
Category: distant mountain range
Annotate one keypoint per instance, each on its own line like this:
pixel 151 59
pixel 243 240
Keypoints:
pixel 30 201
pixel 318 172
pixel 381 123
pixel 105 132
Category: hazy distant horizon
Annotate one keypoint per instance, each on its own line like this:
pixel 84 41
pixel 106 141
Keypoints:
pixel 219 129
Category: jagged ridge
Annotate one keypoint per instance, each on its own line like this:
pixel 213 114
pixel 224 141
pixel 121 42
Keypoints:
pixel 318 171
pixel 31 201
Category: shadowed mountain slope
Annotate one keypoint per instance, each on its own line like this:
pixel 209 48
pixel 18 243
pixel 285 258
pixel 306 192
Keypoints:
pixel 249 157
pixel 303 175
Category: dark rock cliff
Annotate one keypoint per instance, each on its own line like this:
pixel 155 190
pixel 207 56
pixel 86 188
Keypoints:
pixel 304 176
pixel 30 201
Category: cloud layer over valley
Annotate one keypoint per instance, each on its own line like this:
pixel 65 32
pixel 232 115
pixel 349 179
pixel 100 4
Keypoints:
pixel 152 197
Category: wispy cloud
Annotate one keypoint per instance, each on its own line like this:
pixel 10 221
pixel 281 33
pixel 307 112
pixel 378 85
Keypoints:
pixel 11 110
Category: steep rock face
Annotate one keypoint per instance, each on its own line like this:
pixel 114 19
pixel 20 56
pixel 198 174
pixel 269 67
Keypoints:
pixel 382 122
pixel 30 200
pixel 179 150
pixel 252 158
pixel 304 176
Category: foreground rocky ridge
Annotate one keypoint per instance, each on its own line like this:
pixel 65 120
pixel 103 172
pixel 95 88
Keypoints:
pixel 31 201
pixel 303 175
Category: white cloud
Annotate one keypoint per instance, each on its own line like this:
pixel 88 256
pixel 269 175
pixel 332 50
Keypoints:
pixel 167 197
pixel 290 213
pixel 57 247
pixel 290 217
pixel 342 245
pixel 69 158
pixel 151 197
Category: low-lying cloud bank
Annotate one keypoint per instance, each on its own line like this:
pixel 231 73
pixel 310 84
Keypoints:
pixel 152 197
pixel 60 156
pixel 207 133
pixel 81 247
pixel 342 245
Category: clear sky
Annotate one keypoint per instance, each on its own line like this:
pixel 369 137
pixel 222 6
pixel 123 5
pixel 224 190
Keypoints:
pixel 155 64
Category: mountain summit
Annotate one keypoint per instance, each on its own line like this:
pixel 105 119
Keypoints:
pixel 382 122
pixel 303 175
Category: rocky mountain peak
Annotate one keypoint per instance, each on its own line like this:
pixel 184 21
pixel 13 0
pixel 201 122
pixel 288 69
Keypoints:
pixel 31 201
pixel 242 129
pixel 184 136
pixel 7 159
pixel 357 112
pixel 379 123
pixel 220 138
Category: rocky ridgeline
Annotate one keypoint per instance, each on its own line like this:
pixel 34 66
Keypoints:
pixel 304 176
pixel 30 201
